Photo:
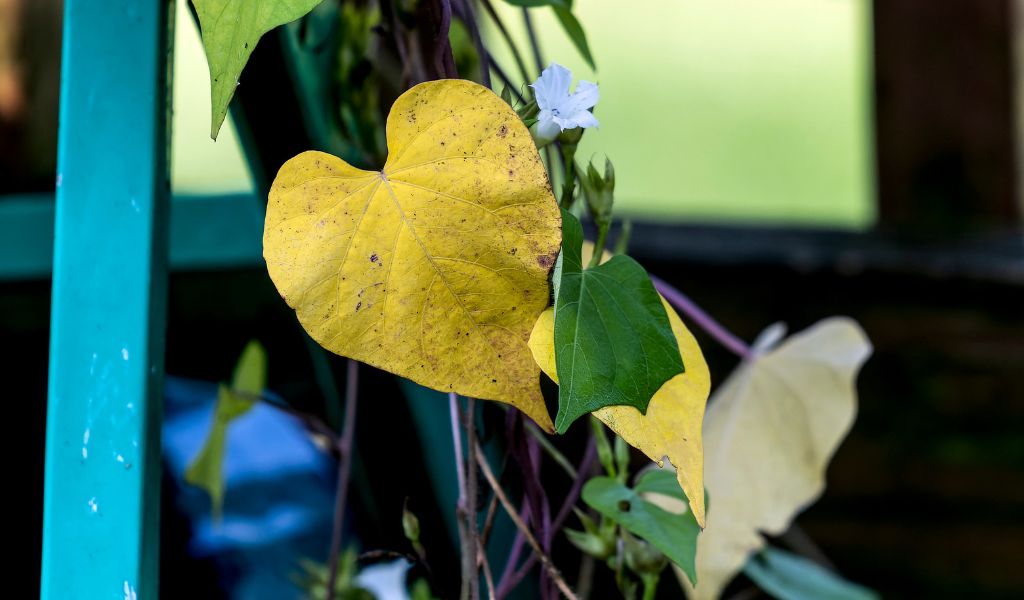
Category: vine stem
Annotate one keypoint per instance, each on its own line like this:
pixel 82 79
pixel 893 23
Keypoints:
pixel 563 513
pixel 344 471
pixel 705 321
pixel 443 59
pixel 469 506
pixel 553 572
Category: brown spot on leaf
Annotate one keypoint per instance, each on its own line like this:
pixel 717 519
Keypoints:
pixel 374 258
pixel 503 131
pixel 546 260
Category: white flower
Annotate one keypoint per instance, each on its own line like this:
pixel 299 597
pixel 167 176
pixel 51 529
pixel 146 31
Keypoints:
pixel 561 109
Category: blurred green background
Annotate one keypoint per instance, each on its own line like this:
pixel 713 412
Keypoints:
pixel 737 110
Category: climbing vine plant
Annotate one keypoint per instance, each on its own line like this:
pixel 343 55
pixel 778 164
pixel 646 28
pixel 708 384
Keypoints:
pixel 453 264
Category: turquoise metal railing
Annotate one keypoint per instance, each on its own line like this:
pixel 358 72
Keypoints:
pixel 101 504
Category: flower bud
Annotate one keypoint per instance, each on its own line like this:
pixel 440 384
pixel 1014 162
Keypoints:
pixel 410 524
pixel 599 191
pixel 641 557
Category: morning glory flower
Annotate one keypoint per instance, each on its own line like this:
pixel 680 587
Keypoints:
pixel 561 109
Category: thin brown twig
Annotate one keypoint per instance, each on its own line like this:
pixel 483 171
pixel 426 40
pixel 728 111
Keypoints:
pixel 492 511
pixel 552 570
pixel 482 562
pixel 344 472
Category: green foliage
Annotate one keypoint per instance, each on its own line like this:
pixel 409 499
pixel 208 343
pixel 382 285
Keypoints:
pixel 675 535
pixel 420 590
pixel 596 539
pixel 250 377
pixel 231 29
pixel 574 30
pixel 606 318
pixel 790 577
pixel 314 577
pixel 569 22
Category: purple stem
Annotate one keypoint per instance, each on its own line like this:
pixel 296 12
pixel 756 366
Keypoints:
pixel 589 456
pixel 443 59
pixel 705 321
pixel 344 472
pixel 504 584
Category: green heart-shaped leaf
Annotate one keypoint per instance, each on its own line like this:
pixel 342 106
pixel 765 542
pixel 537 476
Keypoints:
pixel 613 341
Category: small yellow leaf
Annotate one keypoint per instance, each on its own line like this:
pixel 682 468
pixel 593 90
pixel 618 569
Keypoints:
pixel 672 425
pixel 770 431
pixel 434 268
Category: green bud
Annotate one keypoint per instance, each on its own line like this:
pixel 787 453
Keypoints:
pixel 588 524
pixel 621 458
pixel 604 449
pixel 599 192
pixel 591 544
pixel 571 136
pixel 641 557
pixel 528 110
pixel 410 524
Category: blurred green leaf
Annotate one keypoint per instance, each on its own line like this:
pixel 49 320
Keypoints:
pixel 574 30
pixel 605 317
pixel 660 481
pixel 673 534
pixel 313 579
pixel 231 29
pixel 248 382
pixel 420 590
pixel 787 576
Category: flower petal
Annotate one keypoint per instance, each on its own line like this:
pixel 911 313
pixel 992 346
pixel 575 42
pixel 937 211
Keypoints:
pixel 582 118
pixel 585 97
pixel 552 87
pixel 547 127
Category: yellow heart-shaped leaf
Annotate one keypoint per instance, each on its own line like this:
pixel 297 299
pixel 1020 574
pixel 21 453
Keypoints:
pixel 672 425
pixel 434 268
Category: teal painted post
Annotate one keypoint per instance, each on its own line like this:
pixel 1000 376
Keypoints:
pixel 101 511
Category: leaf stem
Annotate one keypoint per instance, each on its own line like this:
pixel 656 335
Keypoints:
pixel 569 168
pixel 723 336
pixel 553 452
pixel 344 447
pixel 602 239
pixel 553 572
